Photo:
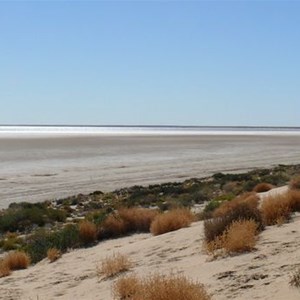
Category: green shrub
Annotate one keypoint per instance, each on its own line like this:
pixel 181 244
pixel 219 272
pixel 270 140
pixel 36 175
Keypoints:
pixel 22 216
pixel 11 242
pixel 38 243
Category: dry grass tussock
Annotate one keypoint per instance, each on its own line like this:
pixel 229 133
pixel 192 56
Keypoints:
pixel 294 199
pixel 16 260
pixel 276 209
pixel 137 219
pixel 263 187
pixel 159 287
pixel 4 269
pixel 172 220
pixel 244 207
pixel 87 232
pixel 114 265
pixel 239 237
pixel 53 254
pixel 250 199
pixel 295 279
pixel 128 220
pixel 295 183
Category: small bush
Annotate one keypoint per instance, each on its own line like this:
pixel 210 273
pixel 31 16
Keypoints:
pixel 217 202
pixel 263 187
pixel 240 236
pixel 171 220
pixel 42 240
pixel 295 183
pixel 11 242
pixel 126 288
pixel 127 220
pixel 53 254
pixel 159 287
pixel 112 226
pixel 275 209
pixel 137 219
pixel 87 232
pixel 241 208
pixel 17 260
pixel 294 199
pixel 114 265
pixel 4 269
pixel 22 216
pixel 250 199
pixel 295 279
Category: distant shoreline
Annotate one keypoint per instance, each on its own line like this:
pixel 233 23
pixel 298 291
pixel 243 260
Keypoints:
pixel 154 126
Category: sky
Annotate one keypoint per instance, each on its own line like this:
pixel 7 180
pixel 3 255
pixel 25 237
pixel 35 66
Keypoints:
pixel 233 63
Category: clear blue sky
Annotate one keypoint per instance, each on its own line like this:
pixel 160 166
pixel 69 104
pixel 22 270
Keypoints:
pixel 184 63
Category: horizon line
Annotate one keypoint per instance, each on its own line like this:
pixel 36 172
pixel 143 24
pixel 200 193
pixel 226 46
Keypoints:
pixel 148 126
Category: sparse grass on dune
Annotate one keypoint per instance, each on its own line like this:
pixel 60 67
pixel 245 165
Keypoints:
pixel 263 187
pixel 172 220
pixel 53 254
pixel 114 265
pixel 4 269
pixel 17 260
pixel 159 287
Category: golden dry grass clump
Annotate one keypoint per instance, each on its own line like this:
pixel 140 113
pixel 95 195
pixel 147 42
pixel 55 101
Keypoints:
pixel 240 236
pixel 295 279
pixel 295 183
pixel 243 207
pixel 137 219
pixel 87 232
pixel 126 287
pixel 113 226
pixel 128 220
pixel 249 198
pixel 276 209
pixel 171 220
pixel 53 254
pixel 159 287
pixel 4 269
pixel 263 187
pixel 17 260
pixel 114 265
pixel 294 199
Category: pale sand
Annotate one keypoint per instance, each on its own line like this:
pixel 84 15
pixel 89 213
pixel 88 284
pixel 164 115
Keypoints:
pixel 36 169
pixel 261 274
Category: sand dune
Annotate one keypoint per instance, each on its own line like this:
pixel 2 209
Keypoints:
pixel 261 274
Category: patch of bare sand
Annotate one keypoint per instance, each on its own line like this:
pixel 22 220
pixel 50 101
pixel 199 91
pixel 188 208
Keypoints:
pixel 262 274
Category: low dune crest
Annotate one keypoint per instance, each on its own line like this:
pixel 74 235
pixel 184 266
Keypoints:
pixel 264 273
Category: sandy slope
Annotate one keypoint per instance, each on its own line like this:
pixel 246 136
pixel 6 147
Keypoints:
pixel 262 274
